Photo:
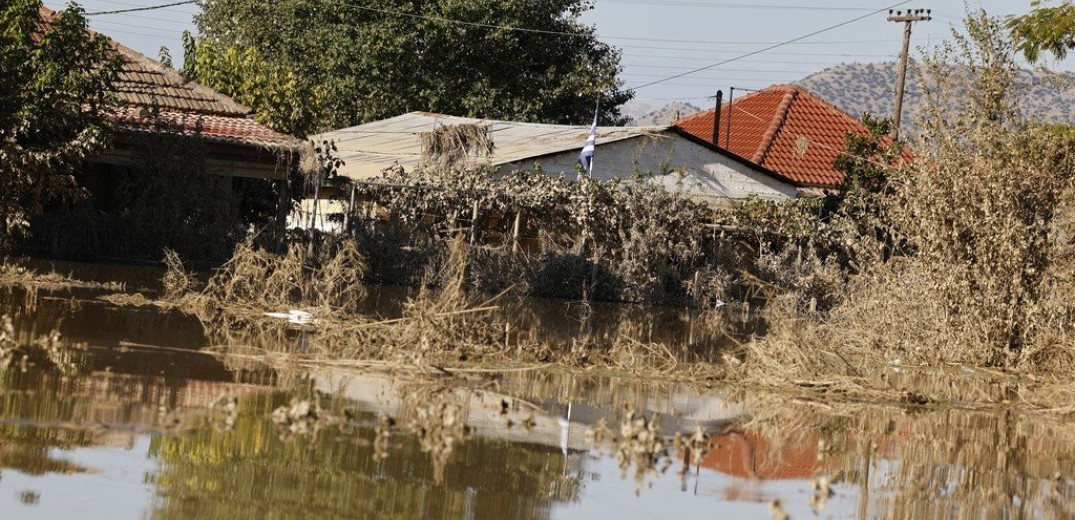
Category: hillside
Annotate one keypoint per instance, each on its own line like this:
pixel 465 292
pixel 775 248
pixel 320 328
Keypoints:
pixel 635 109
pixel 666 115
pixel 870 87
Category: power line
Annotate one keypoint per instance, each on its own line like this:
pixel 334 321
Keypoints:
pixel 492 26
pixel 177 19
pixel 739 6
pixel 602 37
pixel 775 62
pixel 128 4
pixel 110 31
pixel 725 44
pixel 717 51
pixel 519 29
pixel 673 67
pixel 135 9
pixel 160 31
pixel 523 29
pixel 680 98
pixel 759 51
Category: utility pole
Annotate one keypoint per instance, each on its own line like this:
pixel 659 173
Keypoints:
pixel 728 129
pixel 907 18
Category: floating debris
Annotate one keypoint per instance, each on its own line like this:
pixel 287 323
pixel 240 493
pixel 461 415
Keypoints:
pixel 439 426
pixel 776 510
pixel 822 487
pixel 293 316
pixel 640 444
pixel 229 405
pixel 385 426
pixel 300 417
pixel 30 498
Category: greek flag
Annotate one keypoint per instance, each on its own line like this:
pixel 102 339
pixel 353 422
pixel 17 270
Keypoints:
pixel 586 157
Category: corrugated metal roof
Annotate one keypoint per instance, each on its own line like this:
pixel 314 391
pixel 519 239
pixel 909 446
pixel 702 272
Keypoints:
pixel 369 149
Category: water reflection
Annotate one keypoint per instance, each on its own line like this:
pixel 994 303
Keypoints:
pixel 138 431
pixel 326 476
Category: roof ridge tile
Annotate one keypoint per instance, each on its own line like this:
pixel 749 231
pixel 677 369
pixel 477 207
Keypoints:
pixel 769 138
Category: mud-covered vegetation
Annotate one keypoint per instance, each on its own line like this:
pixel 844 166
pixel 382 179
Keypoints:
pixel 952 248
pixel 958 252
pixel 623 239
pixel 973 260
pixel 260 298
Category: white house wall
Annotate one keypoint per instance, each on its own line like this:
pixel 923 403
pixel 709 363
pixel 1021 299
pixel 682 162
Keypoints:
pixel 676 163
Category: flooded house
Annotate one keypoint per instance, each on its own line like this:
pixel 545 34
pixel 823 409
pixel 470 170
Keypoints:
pixel 676 159
pixel 186 163
pixel 782 128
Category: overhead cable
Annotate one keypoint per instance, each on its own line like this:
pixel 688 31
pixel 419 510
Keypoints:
pixel 771 47
pixel 148 8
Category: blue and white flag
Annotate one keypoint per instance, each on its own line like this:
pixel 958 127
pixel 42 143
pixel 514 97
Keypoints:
pixel 586 157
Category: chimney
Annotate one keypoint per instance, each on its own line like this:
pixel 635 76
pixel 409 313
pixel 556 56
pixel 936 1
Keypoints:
pixel 716 118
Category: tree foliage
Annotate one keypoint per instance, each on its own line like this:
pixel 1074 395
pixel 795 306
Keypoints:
pixel 308 65
pixel 867 158
pixel 1048 29
pixel 53 90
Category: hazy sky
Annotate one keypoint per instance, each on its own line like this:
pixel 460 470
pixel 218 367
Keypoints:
pixel 661 38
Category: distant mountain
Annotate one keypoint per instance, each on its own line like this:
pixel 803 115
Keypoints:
pixel 871 87
pixel 666 115
pixel 635 109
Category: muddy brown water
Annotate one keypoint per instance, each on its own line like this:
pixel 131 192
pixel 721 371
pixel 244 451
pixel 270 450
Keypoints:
pixel 120 431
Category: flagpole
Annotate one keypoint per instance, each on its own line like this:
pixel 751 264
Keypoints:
pixel 586 157
pixel 596 110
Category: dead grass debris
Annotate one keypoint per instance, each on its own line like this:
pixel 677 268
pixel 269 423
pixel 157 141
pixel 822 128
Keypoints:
pixel 13 274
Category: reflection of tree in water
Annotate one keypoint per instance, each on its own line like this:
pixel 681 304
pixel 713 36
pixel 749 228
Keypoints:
pixel 935 463
pixel 983 465
pixel 229 474
pixel 33 397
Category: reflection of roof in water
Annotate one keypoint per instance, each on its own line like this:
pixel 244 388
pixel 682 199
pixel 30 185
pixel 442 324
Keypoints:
pixel 750 455
pixel 550 427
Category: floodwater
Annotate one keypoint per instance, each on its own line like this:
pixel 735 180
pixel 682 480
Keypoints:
pixel 141 423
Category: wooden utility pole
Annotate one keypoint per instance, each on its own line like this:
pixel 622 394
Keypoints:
pixel 907 18
pixel 728 129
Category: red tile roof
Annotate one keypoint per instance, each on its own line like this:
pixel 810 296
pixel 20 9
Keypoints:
pixel 219 129
pixel 783 128
pixel 145 86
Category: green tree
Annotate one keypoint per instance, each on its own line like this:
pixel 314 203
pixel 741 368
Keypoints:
pixel 53 91
pixel 309 65
pixel 867 158
pixel 1045 28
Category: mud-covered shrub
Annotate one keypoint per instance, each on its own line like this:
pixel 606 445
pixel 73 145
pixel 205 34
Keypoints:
pixel 981 271
pixel 623 239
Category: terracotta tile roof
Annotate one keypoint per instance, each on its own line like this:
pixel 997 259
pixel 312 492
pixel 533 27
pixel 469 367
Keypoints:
pixel 212 128
pixel 783 128
pixel 146 86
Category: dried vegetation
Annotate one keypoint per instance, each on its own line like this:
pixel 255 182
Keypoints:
pixel 968 258
pixel 48 349
pixel 963 255
pixel 13 274
pixel 442 324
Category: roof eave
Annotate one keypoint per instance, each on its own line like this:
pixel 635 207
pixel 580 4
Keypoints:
pixel 737 158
